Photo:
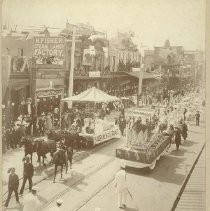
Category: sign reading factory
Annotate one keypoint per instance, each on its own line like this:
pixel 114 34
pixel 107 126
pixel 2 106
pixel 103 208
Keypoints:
pixel 49 50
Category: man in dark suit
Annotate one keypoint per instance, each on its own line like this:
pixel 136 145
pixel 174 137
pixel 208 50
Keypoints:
pixel 28 172
pixel 12 186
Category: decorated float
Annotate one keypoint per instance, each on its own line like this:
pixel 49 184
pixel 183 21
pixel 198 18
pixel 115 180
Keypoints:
pixel 144 143
pixel 96 130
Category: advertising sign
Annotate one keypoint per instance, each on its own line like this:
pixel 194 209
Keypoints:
pixel 106 135
pixel 49 50
pixel 94 74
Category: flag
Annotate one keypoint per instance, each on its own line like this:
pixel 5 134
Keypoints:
pixel 105 50
pixel 140 81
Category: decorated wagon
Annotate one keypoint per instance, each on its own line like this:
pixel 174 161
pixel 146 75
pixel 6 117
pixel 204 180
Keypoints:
pixel 96 130
pixel 144 143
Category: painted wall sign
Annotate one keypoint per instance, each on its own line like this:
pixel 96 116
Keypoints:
pixel 49 50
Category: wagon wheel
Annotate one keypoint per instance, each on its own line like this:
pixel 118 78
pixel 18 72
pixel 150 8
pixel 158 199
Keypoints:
pixel 152 166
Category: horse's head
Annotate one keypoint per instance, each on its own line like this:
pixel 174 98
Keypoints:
pixel 25 141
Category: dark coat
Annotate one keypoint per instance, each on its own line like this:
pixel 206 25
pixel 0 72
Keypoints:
pixel 137 126
pixel 178 137
pixel 122 123
pixel 13 181
pixel 184 131
pixel 28 170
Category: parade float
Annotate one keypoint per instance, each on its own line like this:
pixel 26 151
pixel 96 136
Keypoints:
pixel 96 130
pixel 144 144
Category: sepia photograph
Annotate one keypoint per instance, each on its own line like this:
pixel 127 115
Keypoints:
pixel 103 105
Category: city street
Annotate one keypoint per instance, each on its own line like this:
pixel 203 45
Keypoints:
pixel 101 86
pixel 81 189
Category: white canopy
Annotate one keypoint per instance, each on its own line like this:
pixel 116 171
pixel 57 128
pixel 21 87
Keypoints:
pixel 92 95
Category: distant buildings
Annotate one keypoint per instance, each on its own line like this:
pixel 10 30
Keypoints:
pixel 174 63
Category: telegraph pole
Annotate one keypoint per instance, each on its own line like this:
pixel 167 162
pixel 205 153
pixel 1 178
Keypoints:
pixel 71 74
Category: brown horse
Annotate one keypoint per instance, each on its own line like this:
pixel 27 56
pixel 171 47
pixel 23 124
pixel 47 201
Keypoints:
pixel 60 159
pixel 44 147
pixel 29 146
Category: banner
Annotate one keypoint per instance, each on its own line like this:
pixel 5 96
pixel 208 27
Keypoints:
pixel 49 50
pixel 107 135
pixel 105 50
pixel 6 69
pixel 87 58
pixel 140 81
pixel 92 50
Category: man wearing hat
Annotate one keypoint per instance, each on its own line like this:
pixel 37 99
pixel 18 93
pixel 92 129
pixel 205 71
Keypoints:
pixel 28 172
pixel 31 201
pixel 12 186
pixel 58 205
pixel 121 186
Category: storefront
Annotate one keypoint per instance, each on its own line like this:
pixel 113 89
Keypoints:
pixel 48 102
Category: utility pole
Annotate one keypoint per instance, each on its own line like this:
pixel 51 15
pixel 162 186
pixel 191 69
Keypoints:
pixel 71 73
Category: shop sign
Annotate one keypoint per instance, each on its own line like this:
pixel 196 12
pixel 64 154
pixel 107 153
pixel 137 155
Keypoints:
pixel 48 93
pixel 49 50
pixel 94 74
pixel 134 69
pixel 139 113
pixel 107 135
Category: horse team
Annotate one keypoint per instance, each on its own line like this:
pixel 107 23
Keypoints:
pixel 60 148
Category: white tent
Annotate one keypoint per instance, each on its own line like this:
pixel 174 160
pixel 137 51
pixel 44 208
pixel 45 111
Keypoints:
pixel 92 95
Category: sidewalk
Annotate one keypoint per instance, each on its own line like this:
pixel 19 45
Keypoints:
pixel 194 194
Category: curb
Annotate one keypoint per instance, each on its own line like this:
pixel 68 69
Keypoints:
pixel 186 180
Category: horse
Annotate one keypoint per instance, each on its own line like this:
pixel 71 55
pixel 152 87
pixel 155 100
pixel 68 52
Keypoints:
pixel 68 144
pixel 60 159
pixel 43 148
pixel 29 146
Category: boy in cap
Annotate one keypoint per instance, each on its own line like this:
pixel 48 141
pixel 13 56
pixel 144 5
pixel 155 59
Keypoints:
pixel 28 172
pixel 31 201
pixel 12 186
